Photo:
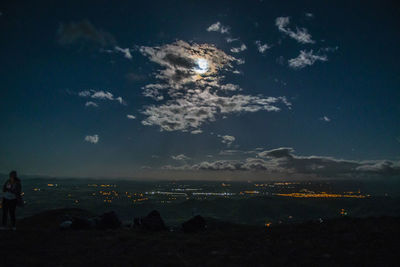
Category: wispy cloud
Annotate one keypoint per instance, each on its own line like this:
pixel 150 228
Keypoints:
pixel 227 139
pixel 283 160
pixel 191 89
pixel 180 157
pixel 130 117
pixel 305 59
pixel 325 118
pixel 198 131
pixel 125 51
pixel 301 35
pixel 231 40
pixel 239 49
pixel 229 152
pixel 218 27
pixel 101 95
pixel 94 139
pixel 91 104
pixel 309 15
pixel 230 87
pixel 262 47
pixel 155 91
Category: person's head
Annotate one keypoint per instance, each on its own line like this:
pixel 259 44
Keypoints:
pixel 13 174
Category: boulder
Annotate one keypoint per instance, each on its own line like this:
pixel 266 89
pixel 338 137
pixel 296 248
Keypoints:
pixel 65 225
pixel 194 225
pixel 153 222
pixel 108 220
pixel 80 223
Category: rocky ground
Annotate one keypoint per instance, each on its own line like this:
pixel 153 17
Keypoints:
pixel 38 241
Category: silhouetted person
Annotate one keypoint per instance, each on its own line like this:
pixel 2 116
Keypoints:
pixel 12 194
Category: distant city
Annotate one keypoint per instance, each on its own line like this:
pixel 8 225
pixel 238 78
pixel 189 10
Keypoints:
pixel 168 192
pixel 241 202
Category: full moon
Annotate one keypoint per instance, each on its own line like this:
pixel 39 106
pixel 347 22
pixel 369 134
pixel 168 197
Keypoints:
pixel 202 66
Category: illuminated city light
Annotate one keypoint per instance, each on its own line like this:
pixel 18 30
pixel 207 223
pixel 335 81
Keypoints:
pixel 343 212
pixel 251 192
pixel 320 195
pixel 213 194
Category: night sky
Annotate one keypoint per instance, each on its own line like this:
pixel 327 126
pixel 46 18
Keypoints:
pixel 200 89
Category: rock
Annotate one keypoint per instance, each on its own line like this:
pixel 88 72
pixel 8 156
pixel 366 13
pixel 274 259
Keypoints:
pixel 65 225
pixel 108 220
pixel 153 222
pixel 194 225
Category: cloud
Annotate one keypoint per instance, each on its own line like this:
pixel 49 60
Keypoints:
pixel 305 59
pixel 84 93
pixel 185 114
pixel 154 91
pixel 191 90
pixel 83 32
pixel 238 49
pixel 262 47
pixel 125 51
pixel 301 35
pixel 383 166
pixel 309 15
pixel 276 153
pixel 218 27
pixel 91 104
pixel 229 152
pixel 231 40
pixel 94 139
pixel 283 160
pixel 131 117
pixel 237 72
pixel 230 87
pixel 325 118
pixel 196 131
pixel 227 139
pixel 102 95
pixel 180 157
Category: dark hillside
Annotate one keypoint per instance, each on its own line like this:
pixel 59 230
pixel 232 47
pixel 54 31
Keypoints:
pixel 344 242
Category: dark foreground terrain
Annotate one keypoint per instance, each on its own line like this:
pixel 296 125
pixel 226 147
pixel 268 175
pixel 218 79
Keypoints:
pixel 337 242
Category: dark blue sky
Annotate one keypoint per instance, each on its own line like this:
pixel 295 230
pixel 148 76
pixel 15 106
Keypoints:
pixel 340 100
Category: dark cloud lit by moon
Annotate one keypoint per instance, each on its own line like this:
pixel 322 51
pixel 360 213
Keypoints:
pixel 191 77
